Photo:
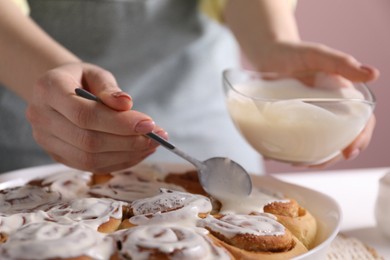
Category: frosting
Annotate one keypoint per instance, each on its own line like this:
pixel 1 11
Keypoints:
pixel 169 200
pixel 71 184
pixel 128 186
pixel 176 241
pixel 49 240
pixel 27 199
pixel 10 223
pixel 255 202
pixel 170 206
pixel 231 225
pixel 90 211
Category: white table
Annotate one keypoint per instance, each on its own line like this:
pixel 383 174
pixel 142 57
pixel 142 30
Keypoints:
pixel 355 191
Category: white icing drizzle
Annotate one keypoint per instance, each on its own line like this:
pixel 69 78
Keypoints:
pixel 90 211
pixel 255 202
pixel 26 199
pixel 129 187
pixel 177 241
pixel 170 206
pixel 48 240
pixel 231 225
pixel 71 184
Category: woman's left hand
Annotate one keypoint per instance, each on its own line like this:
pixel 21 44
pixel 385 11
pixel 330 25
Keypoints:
pixel 307 59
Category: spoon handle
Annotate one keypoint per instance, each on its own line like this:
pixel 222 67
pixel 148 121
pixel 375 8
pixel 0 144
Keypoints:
pixel 169 146
pixel 161 141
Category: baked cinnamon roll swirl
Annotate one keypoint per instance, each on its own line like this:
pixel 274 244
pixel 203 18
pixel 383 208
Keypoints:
pixel 168 242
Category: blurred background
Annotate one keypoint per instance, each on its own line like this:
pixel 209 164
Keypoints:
pixel 357 27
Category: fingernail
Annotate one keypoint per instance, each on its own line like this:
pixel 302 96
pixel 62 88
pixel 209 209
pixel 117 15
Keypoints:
pixel 354 154
pixel 366 68
pixel 144 126
pixel 121 94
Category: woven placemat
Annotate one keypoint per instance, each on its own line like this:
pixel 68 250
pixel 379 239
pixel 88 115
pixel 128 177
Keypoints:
pixel 345 247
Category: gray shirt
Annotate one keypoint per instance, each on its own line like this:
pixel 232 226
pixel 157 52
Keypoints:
pixel 165 53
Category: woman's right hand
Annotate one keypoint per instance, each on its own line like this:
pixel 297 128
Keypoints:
pixel 84 134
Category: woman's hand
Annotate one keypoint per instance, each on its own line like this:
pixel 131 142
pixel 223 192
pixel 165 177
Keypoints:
pixel 84 134
pixel 268 35
pixel 306 59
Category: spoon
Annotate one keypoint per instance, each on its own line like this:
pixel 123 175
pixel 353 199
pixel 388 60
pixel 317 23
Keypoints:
pixel 219 176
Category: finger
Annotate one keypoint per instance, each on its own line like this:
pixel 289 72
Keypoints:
pixel 322 58
pixel 91 115
pixel 362 141
pixel 353 150
pixel 90 140
pixel 56 90
pixel 103 84
pixel 73 157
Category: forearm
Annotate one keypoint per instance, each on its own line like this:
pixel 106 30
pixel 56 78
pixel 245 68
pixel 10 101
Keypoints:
pixel 257 24
pixel 26 51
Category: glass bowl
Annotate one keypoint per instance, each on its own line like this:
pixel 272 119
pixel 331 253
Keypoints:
pixel 297 119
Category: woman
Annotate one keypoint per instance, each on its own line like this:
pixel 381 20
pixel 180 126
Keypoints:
pixel 166 54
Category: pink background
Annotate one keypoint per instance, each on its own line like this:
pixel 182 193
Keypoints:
pixel 360 28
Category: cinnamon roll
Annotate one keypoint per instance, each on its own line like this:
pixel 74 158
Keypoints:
pixel 50 240
pixel 104 215
pixel 70 184
pixel 168 206
pixel 287 211
pixel 11 223
pixel 168 242
pixel 253 236
pixel 296 218
pixel 127 186
pixel 27 199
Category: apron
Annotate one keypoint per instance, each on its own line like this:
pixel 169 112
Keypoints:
pixel 165 53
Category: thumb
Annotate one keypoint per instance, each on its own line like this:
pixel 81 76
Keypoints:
pixel 103 84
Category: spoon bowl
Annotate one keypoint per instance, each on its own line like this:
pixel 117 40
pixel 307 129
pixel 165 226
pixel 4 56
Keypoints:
pixel 221 177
